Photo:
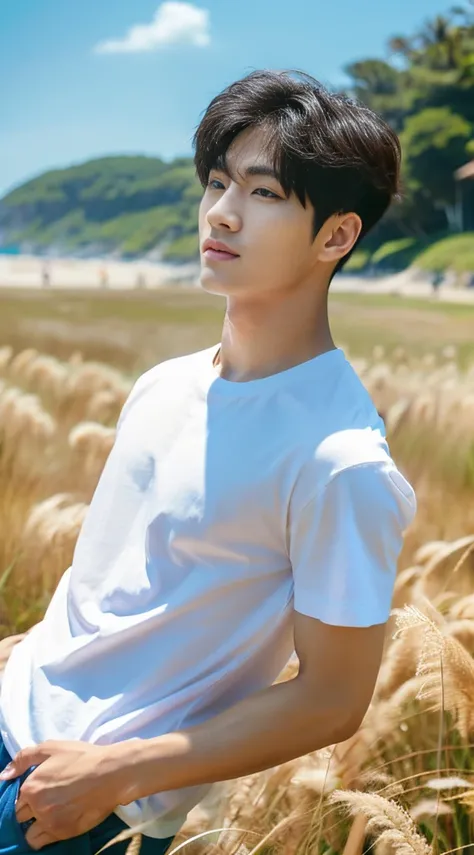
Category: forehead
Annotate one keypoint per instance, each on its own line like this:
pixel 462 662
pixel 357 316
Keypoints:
pixel 249 147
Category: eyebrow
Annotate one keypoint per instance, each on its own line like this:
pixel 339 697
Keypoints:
pixel 253 170
pixel 261 169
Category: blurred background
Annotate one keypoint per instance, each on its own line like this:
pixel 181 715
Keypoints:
pixel 102 102
pixel 98 282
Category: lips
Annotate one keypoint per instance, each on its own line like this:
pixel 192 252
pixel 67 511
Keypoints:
pixel 218 251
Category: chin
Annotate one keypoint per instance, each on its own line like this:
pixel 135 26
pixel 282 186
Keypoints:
pixel 212 282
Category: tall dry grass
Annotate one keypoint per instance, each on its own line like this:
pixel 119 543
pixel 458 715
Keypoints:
pixel 405 782
pixel 428 407
pixel 57 426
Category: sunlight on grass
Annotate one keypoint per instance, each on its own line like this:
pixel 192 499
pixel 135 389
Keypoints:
pixel 405 782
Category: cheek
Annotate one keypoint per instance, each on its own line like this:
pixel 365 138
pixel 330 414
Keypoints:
pixel 293 242
pixel 283 241
pixel 286 255
pixel 271 230
pixel 285 227
pixel 203 209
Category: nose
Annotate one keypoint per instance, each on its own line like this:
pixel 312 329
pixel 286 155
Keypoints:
pixel 224 214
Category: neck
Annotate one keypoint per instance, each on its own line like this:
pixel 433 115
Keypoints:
pixel 261 338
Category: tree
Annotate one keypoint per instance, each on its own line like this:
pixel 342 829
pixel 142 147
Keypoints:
pixel 381 87
pixel 425 90
pixel 435 145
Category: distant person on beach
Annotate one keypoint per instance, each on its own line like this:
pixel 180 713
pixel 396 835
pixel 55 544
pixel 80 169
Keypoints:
pixel 436 281
pixel 45 275
pixel 250 510
pixel 103 280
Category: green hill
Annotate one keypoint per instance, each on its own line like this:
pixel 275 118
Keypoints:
pixel 437 253
pixel 133 206
pixel 125 205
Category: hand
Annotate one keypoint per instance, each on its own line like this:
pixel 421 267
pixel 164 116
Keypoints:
pixel 6 647
pixel 74 788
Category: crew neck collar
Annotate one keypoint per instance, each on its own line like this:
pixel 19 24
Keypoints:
pixel 216 384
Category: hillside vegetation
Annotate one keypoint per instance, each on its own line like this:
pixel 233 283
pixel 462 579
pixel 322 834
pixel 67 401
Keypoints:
pixel 424 88
pixel 451 252
pixel 126 205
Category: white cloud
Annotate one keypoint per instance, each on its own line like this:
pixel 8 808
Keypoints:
pixel 175 22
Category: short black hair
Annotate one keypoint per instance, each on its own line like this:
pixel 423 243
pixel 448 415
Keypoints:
pixel 325 147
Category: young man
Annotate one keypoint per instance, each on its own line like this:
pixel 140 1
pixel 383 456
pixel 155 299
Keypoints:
pixel 249 508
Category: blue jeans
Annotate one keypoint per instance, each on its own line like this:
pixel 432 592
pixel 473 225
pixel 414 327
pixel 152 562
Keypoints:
pixel 12 833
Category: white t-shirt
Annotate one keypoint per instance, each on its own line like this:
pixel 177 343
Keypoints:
pixel 222 507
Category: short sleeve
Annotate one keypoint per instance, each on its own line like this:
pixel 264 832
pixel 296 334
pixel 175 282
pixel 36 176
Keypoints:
pixel 344 545
pixel 139 387
pixel 125 409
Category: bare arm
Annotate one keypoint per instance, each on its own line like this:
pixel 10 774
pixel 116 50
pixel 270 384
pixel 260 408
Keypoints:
pixel 324 704
pixel 76 785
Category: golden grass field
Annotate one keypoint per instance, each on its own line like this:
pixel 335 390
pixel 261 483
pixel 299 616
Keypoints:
pixel 405 782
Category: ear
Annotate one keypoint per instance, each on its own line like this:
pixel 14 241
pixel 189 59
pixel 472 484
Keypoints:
pixel 339 234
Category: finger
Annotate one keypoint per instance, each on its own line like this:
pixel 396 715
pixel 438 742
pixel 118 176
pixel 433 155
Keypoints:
pixel 9 772
pixel 8 643
pixel 25 759
pixel 22 810
pixel 37 837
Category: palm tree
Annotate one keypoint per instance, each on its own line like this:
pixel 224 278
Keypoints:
pixel 401 45
pixel 466 13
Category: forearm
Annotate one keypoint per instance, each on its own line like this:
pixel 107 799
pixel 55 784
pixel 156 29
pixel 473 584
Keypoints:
pixel 271 727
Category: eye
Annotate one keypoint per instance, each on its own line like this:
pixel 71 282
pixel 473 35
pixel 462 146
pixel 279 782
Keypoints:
pixel 215 184
pixel 266 193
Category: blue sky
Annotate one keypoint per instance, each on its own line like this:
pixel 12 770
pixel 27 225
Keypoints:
pixel 84 79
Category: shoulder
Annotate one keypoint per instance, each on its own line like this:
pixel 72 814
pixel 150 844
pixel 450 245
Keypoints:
pixel 354 465
pixel 344 428
pixel 348 446
pixel 352 446
pixel 146 383
pixel 337 415
pixel 139 387
pixel 348 432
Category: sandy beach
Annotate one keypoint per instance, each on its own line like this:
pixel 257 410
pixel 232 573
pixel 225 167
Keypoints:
pixel 23 271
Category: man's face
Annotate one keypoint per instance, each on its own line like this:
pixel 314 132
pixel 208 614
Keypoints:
pixel 270 236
